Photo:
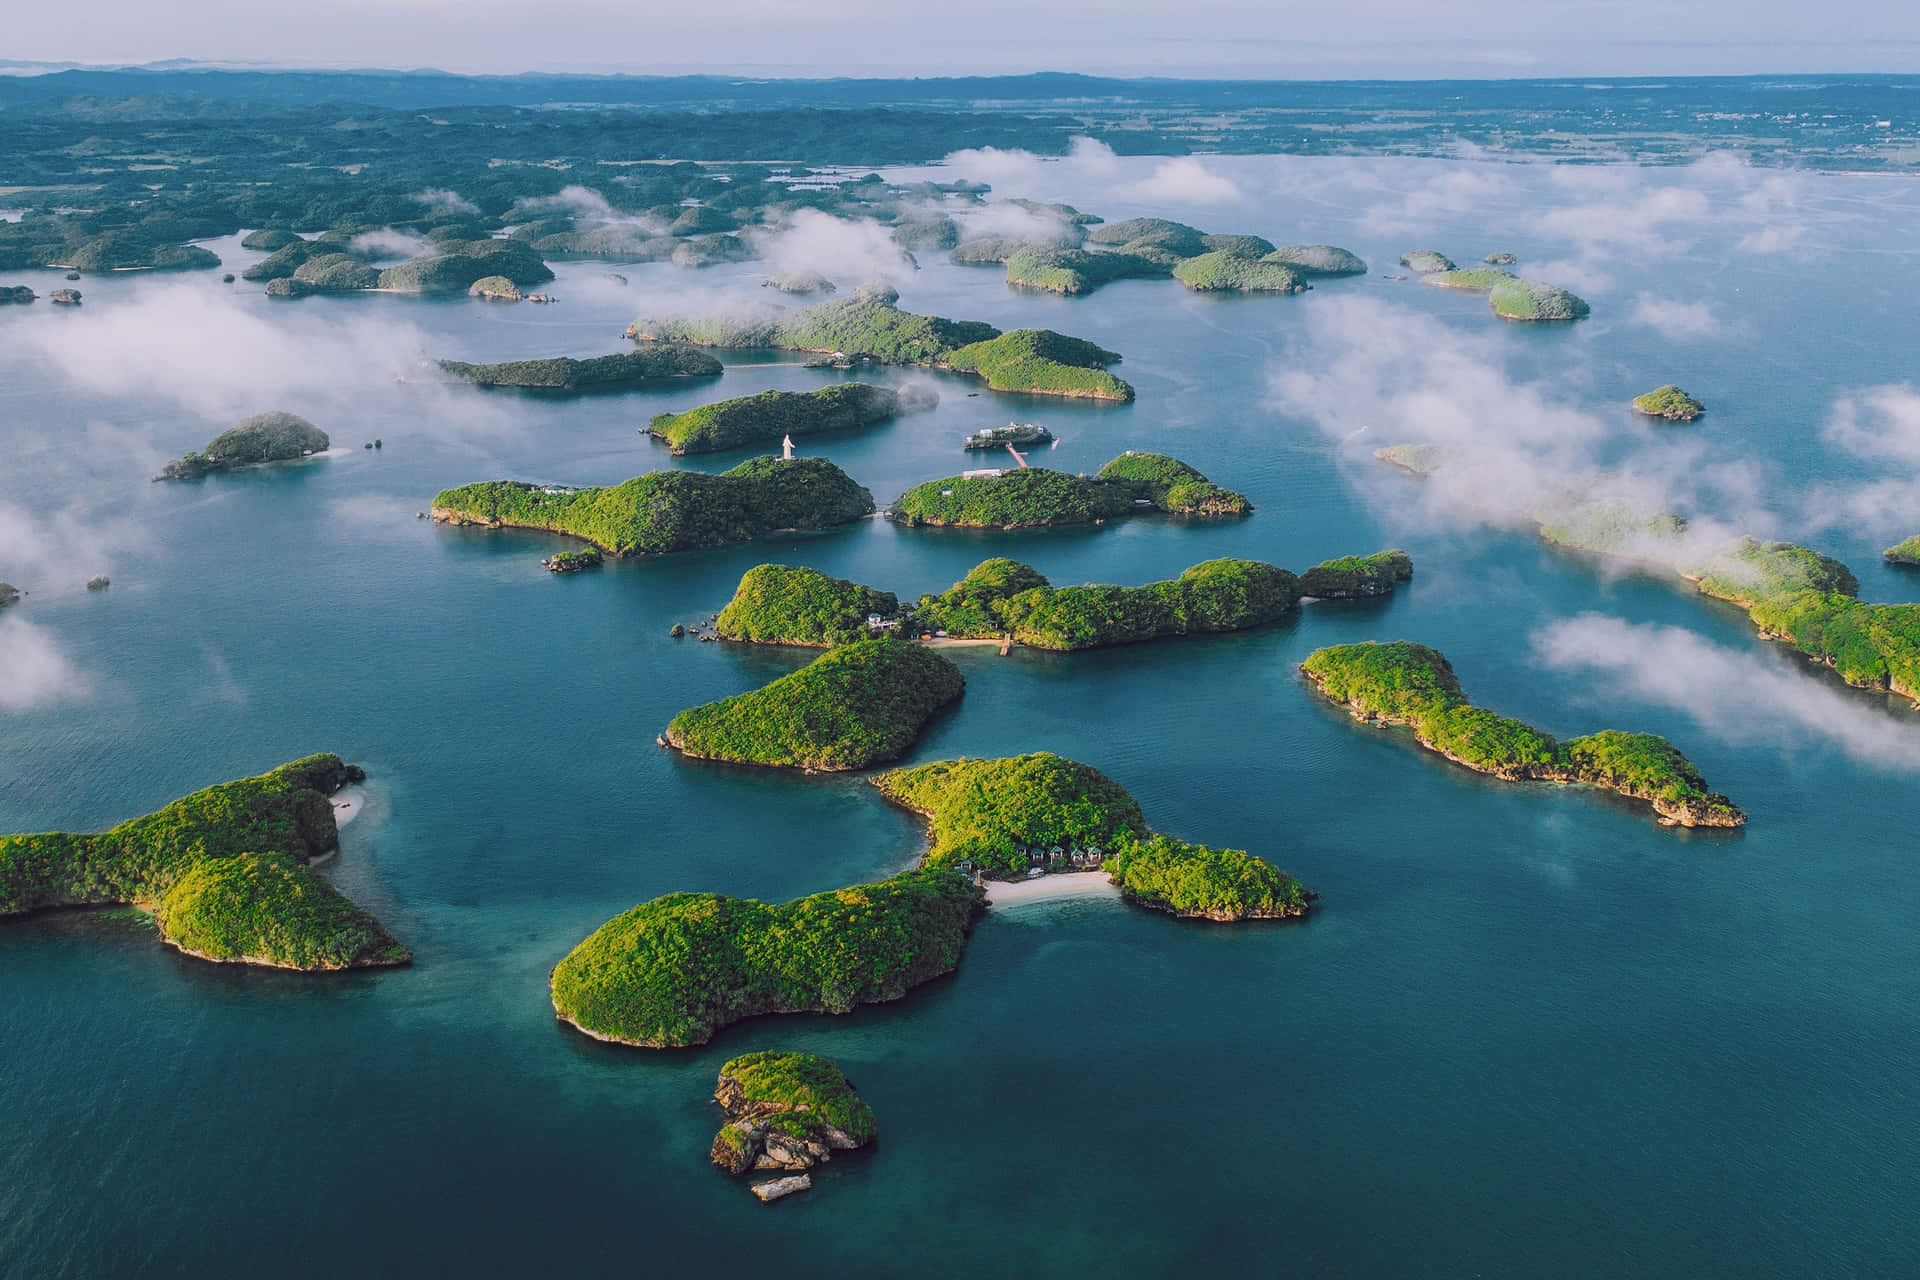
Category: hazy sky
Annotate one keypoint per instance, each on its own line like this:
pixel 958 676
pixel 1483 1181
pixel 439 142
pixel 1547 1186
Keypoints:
pixel 1358 38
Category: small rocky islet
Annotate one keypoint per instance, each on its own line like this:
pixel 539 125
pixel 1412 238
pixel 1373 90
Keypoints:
pixel 1669 403
pixel 275 436
pixel 787 1113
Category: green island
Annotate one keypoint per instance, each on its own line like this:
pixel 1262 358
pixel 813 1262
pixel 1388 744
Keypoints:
pixel 855 705
pixel 1002 599
pixel 600 373
pixel 287 257
pixel 1668 402
pixel 1533 301
pixel 332 272
pixel 1906 553
pixel 939 232
pixel 1223 271
pixel 800 283
pixel 265 437
pixel 1358 577
pixel 1791 593
pixel 1401 683
pixel 15 293
pixel 1319 260
pixel 495 289
pixel 867 326
pixel 1041 362
pixel 1056 269
pixel 767 417
pixel 1426 261
pixel 572 561
pixel 672 971
pixel 787 1113
pixel 1035 497
pixel 665 511
pixel 225 872
pixel 1500 258
pixel 781 604
pixel 1473 279
pixel 1158 239
pixel 459 263
pixel 1003 819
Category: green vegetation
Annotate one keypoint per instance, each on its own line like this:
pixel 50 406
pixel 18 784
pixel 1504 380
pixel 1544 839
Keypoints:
pixel 800 282
pixel 288 258
pixel 1873 646
pixel 572 561
pixel 1217 595
pixel 994 251
pixel 1238 246
pixel 771 415
pixel 926 233
pixel 1221 272
pixel 779 604
pixel 268 240
pixel 601 373
pixel 972 607
pixel 1005 816
pixel 461 262
pixel 1476 279
pixel 1163 241
pixel 701 220
pixel 15 293
pixel 1035 497
pixel 1410 684
pixel 1669 402
pixel 494 289
pixel 224 870
pixel 992 812
pixel 1426 261
pixel 853 706
pixel 1531 300
pixel 265 437
pixel 1748 572
pixel 1904 553
pixel 1055 269
pixel 1357 577
pixel 760 1083
pixel 1613 526
pixel 864 323
pixel 665 511
pixel 1173 486
pixel 673 971
pixel 1500 259
pixel 1042 362
pixel 1319 260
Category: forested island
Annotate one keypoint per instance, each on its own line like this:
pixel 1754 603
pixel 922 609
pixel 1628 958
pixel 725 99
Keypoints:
pixel 665 511
pixel 1534 301
pixel 1222 271
pixel 772 415
pixel 274 436
pixel 868 325
pixel 1006 818
pixel 855 705
pixel 786 1113
pixel 644 367
pixel 1668 402
pixel 1904 553
pixel 1471 279
pixel 224 871
pixel 1159 248
pixel 1035 497
pixel 1426 262
pixel 673 971
pixel 1401 683
pixel 1009 601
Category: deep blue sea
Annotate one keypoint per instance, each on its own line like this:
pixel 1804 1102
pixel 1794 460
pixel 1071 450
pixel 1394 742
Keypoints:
pixel 1528 1032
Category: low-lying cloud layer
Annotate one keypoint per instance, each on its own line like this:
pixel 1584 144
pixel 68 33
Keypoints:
pixel 34 673
pixel 1742 697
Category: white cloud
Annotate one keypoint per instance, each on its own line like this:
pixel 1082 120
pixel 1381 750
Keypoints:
pixel 1742 697
pixel 845 250
pixel 440 198
pixel 1186 180
pixel 1676 321
pixel 34 672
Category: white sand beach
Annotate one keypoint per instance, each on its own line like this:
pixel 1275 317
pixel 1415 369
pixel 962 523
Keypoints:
pixel 1050 888
pixel 347 803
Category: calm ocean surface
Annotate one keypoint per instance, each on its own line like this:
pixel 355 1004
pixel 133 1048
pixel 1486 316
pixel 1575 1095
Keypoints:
pixel 1528 1032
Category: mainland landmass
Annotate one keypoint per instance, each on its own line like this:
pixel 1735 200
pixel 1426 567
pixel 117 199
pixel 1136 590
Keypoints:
pixel 1401 683
pixel 274 436
pixel 1791 593
pixel 786 1113
pixel 647 366
pixel 855 705
pixel 868 327
pixel 1005 600
pixel 225 871
pixel 1035 497
pixel 773 415
pixel 673 971
pixel 1668 402
pixel 666 511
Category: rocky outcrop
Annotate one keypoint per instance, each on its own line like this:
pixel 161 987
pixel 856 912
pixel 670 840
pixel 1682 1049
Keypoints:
pixel 778 1107
pixel 66 297
pixel 779 1188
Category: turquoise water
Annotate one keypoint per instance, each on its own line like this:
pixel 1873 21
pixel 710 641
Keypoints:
pixel 1527 1033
